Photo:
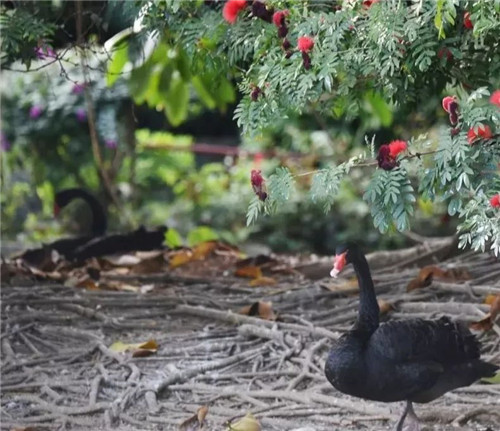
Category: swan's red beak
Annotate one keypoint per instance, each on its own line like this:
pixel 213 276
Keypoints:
pixel 338 264
pixel 57 208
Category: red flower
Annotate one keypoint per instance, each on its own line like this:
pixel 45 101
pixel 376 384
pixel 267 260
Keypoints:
pixel 279 17
pixel 368 3
pixel 495 98
pixel 446 102
pixel 495 201
pixel 396 147
pixel 232 8
pixel 305 44
pixel 467 22
pixel 258 184
pixel 445 51
pixel 482 132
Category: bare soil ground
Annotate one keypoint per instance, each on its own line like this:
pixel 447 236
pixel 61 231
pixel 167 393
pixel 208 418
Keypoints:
pixel 58 371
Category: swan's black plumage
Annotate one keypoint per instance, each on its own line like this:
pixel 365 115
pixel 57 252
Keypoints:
pixel 99 219
pixel 412 360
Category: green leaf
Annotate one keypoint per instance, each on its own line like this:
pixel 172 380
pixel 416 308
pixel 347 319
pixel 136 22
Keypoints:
pixel 183 65
pixel 172 238
pixel 201 234
pixel 203 92
pixel 115 66
pixel 380 108
pixel 254 209
pixel 176 102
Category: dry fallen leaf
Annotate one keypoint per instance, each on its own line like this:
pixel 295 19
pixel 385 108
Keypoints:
pixel 138 349
pixel 428 273
pixel 247 423
pixel 201 251
pixel 490 299
pixel 385 306
pixel 486 323
pixel 149 265
pixel 261 309
pixel 180 258
pixel 263 281
pixel 249 272
pixel 195 422
pixel 340 285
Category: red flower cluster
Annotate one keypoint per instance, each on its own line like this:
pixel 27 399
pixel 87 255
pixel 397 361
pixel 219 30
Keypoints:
pixel 304 45
pixel 368 3
pixel 483 132
pixel 495 98
pixel 279 20
pixel 467 22
pixel 396 147
pixel 450 105
pixel 279 17
pixel 387 154
pixel 495 201
pixel 258 184
pixel 232 8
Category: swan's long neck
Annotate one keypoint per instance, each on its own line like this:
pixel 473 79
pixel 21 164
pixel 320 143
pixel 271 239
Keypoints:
pixel 368 314
pixel 99 219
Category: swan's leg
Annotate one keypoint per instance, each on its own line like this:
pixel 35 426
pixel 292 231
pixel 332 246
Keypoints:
pixel 399 425
pixel 414 423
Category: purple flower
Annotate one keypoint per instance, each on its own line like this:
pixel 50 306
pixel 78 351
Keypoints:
pixel 111 143
pixel 78 88
pixel 43 52
pixel 36 111
pixel 4 142
pixel 81 115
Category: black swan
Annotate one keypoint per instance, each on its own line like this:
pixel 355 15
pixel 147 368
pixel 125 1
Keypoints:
pixel 67 246
pixel 99 219
pixel 412 360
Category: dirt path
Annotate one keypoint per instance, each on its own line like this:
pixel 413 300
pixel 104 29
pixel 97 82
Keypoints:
pixel 59 373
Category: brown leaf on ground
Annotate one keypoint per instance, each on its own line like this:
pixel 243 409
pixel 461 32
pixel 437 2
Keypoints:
pixel 263 281
pixel 200 252
pixel 340 285
pixel 247 423
pixel 490 299
pixel 261 309
pixel 180 257
pixel 249 272
pixel 146 348
pixel 150 265
pixel 203 250
pixel 195 422
pixel 384 306
pixel 428 273
pixel 486 323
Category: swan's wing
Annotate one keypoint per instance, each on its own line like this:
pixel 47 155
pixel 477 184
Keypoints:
pixel 432 341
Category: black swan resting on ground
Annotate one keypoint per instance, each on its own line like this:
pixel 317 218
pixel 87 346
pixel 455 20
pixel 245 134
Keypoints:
pixel 66 246
pixel 412 360
pixel 99 219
